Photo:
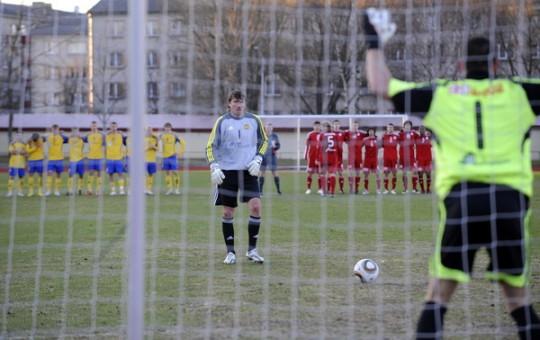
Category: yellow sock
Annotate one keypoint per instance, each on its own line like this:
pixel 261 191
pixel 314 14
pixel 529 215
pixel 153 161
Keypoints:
pixel 49 183
pixel 39 184
pixel 20 184
pixel 31 183
pixel 149 182
pixel 121 182
pixel 70 184
pixel 99 183
pixel 58 184
pixel 177 180
pixel 168 181
pixel 79 183
pixel 90 183
pixel 10 184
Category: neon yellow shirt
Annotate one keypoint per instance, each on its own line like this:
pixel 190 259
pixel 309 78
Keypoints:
pixel 56 147
pixel 17 152
pixel 95 145
pixel 76 149
pixel 151 146
pixel 481 129
pixel 115 146
pixel 35 150
pixel 168 144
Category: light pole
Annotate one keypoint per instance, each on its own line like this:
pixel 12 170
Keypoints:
pixel 262 84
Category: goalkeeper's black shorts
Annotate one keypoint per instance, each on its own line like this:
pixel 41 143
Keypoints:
pixel 236 182
pixel 479 215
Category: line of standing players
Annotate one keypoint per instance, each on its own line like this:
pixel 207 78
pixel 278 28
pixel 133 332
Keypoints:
pixel 407 150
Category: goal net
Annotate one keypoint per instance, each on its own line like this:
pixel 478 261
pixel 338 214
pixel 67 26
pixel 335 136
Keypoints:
pixel 126 250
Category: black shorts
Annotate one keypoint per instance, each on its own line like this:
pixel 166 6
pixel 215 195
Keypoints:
pixel 237 181
pixel 478 215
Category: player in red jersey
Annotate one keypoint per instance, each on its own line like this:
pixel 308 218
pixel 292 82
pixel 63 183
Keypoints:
pixel 329 159
pixel 371 160
pixel 424 158
pixel 390 140
pixel 354 138
pixel 407 159
pixel 340 138
pixel 313 156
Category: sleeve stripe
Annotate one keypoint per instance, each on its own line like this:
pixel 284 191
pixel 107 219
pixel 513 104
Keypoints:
pixel 211 139
pixel 263 145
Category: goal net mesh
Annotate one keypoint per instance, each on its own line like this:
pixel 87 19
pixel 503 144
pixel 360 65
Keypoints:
pixel 64 261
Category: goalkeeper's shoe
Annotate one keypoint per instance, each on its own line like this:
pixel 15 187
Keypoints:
pixel 308 191
pixel 254 256
pixel 9 194
pixel 230 258
pixel 20 194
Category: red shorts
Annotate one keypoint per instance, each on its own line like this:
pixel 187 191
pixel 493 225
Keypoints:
pixel 407 163
pixel 313 163
pixel 355 162
pixel 424 164
pixel 370 164
pixel 390 164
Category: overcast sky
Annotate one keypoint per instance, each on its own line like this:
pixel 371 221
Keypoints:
pixel 65 5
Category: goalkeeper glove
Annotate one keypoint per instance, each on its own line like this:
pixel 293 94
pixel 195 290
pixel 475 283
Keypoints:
pixel 216 175
pixel 255 166
pixel 378 27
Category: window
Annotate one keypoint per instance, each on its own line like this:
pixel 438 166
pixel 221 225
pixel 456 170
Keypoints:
pixel 53 98
pixel 116 90
pixel 77 48
pixel 175 27
pixel 116 59
pixel 535 52
pixel 152 29
pixel 117 29
pixel 502 54
pixel 177 89
pixel 152 59
pixel 175 58
pixel 272 86
pixel 152 90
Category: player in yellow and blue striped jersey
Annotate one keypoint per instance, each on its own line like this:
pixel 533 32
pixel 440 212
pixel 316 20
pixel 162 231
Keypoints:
pixel 55 165
pixel 76 162
pixel 17 165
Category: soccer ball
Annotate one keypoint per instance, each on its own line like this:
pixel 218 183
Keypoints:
pixel 367 270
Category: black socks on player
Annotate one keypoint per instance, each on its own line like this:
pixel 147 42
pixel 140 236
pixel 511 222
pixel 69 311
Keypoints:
pixel 228 233
pixel 430 325
pixel 276 181
pixel 253 231
pixel 261 184
pixel 527 322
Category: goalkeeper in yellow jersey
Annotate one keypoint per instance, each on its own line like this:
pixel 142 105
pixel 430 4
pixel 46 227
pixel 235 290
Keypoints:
pixel 55 165
pixel 96 153
pixel 36 155
pixel 114 153
pixel 76 162
pixel 17 165
pixel 150 150
pixel 170 161
pixel 484 179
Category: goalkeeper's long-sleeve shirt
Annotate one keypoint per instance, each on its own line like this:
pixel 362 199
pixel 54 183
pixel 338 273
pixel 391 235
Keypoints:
pixel 235 141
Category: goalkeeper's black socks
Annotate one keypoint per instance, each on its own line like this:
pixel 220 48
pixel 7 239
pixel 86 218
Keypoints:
pixel 430 324
pixel 527 322
pixel 228 233
pixel 253 231
pixel 261 184
pixel 276 181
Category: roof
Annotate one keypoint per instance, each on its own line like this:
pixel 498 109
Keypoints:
pixel 62 23
pixel 106 7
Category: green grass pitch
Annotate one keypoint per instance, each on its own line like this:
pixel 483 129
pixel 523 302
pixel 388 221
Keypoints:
pixel 65 269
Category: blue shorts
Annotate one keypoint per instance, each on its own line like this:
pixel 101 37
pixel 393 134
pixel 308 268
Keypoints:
pixel 94 165
pixel 35 166
pixel 269 161
pixel 170 163
pixel 115 167
pixel 151 168
pixel 55 166
pixel 76 168
pixel 17 172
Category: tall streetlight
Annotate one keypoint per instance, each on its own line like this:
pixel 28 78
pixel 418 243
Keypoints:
pixel 262 84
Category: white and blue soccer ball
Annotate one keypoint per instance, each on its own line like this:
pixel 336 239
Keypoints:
pixel 367 270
